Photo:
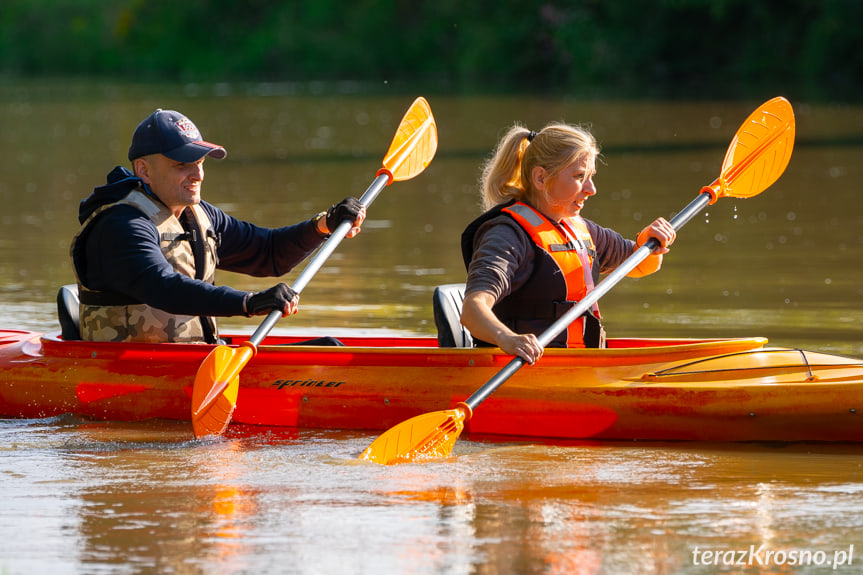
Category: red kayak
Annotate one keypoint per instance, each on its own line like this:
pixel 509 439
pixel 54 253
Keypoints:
pixel 658 389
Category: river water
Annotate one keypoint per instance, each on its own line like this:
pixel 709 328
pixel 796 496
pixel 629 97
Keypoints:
pixel 96 497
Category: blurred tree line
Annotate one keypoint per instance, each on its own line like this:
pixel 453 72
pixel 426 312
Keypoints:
pixel 666 48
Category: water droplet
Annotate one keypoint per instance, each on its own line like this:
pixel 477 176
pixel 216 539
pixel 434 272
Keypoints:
pixel 735 211
pixel 836 171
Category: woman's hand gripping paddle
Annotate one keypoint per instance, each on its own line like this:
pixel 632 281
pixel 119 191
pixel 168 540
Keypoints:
pixel 756 158
pixel 217 382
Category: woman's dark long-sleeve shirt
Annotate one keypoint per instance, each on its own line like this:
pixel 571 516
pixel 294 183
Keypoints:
pixel 504 252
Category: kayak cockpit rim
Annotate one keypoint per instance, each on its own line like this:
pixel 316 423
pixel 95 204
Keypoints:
pixel 53 344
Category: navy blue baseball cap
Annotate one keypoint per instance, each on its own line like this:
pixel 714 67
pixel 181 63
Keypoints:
pixel 173 135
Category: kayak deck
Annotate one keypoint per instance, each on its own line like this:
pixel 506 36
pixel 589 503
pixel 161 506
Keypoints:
pixel 663 389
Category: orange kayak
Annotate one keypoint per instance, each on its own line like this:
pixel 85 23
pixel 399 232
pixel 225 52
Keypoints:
pixel 657 389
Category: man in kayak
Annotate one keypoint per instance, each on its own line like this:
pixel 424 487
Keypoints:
pixel 531 256
pixel 146 255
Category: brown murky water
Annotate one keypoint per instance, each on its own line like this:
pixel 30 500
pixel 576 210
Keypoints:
pixel 85 497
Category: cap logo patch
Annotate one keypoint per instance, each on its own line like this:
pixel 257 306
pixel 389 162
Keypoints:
pixel 188 129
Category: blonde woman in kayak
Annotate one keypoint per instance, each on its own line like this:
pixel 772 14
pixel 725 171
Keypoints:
pixel 531 256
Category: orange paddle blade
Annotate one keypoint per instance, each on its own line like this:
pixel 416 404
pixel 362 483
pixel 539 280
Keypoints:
pixel 421 438
pixel 414 144
pixel 217 384
pixel 759 152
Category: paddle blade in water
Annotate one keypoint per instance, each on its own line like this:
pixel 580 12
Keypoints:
pixel 414 144
pixel 421 438
pixel 217 384
pixel 759 152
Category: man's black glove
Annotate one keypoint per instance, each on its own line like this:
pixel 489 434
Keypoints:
pixel 347 209
pixel 276 297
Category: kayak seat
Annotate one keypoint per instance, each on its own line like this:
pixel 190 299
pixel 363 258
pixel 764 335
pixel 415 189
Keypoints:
pixel 446 303
pixel 67 312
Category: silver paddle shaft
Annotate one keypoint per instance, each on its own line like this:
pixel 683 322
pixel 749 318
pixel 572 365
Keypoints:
pixel 582 306
pixel 318 259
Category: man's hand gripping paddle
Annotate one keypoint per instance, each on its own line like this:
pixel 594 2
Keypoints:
pixel 756 158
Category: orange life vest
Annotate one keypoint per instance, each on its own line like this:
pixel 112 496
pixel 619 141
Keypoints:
pixel 563 274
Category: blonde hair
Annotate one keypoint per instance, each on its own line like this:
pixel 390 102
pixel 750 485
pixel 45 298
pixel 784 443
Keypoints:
pixel 506 175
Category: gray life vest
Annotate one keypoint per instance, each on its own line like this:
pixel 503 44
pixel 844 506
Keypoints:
pixel 108 316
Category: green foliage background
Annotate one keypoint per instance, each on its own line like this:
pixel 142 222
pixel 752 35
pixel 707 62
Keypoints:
pixel 665 48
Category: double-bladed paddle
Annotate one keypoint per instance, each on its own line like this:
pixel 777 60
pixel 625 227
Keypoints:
pixel 214 396
pixel 755 159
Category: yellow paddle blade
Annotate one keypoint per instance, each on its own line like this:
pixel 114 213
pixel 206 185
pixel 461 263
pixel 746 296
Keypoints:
pixel 759 152
pixel 217 384
pixel 421 438
pixel 414 144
